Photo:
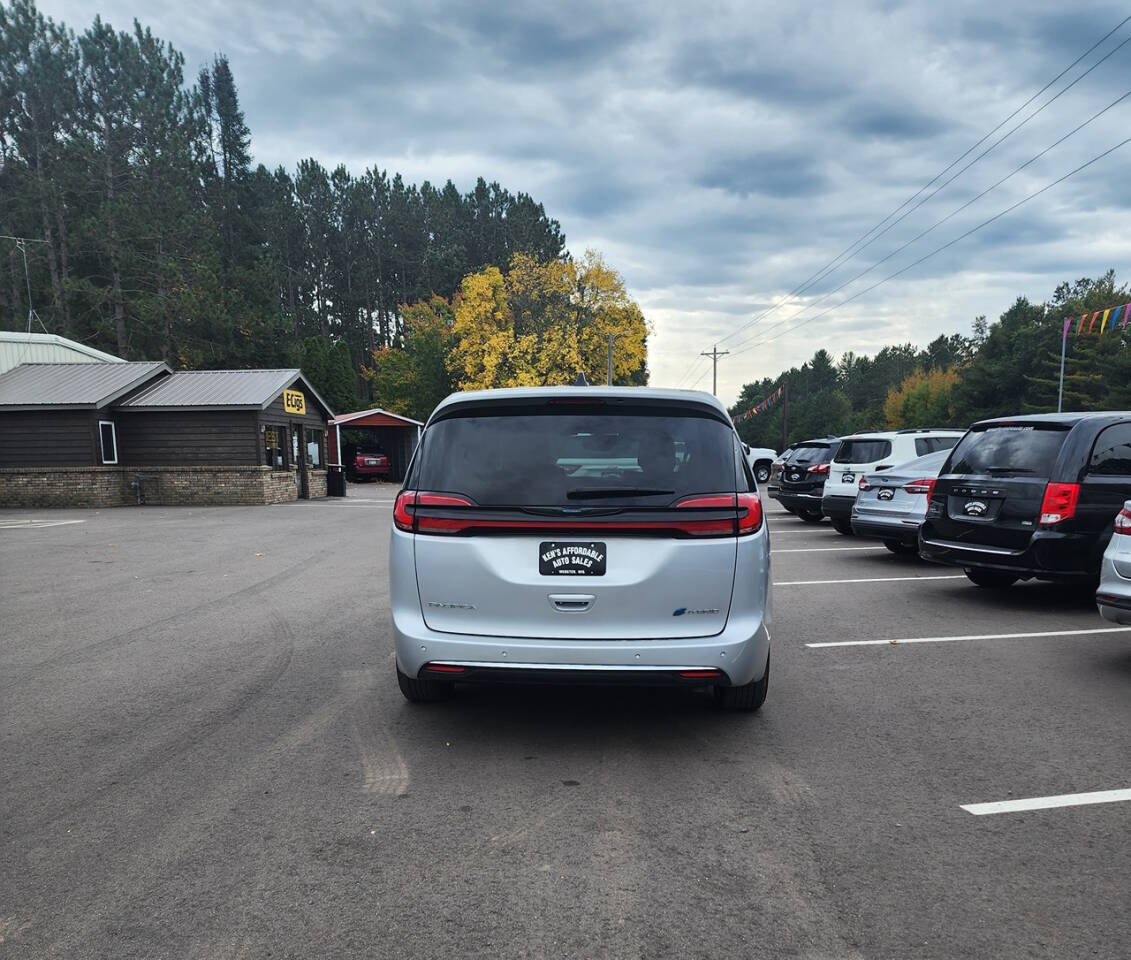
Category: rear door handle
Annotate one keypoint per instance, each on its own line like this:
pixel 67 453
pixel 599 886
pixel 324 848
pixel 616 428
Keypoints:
pixel 571 602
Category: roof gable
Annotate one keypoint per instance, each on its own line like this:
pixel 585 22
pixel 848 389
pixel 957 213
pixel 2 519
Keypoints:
pixel 74 385
pixel 221 389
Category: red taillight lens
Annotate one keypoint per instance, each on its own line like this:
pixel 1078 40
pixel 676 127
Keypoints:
pixel 706 674
pixel 1059 503
pixel 405 518
pixel 821 469
pixel 750 521
pixel 1123 522
pixel 707 528
pixel 926 485
pixel 864 484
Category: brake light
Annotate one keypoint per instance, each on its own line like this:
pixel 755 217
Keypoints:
pixel 407 502
pixel 864 484
pixel 750 521
pixel 1059 503
pixel 926 485
pixel 1123 522
pixel 821 469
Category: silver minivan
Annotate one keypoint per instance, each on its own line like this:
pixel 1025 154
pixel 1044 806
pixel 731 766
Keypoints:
pixel 581 534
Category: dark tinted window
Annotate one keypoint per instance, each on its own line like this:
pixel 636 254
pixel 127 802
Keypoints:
pixel 863 451
pixel 810 453
pixel 925 445
pixel 1111 456
pixel 551 459
pixel 1021 449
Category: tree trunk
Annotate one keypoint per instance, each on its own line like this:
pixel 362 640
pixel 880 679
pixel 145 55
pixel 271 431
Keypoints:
pixel 65 264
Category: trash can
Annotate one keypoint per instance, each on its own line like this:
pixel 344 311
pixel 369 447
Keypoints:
pixel 335 481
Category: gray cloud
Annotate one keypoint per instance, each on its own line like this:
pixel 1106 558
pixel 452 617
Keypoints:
pixel 718 155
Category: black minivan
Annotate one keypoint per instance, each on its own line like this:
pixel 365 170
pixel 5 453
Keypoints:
pixel 1030 497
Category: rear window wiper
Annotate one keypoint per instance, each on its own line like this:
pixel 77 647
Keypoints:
pixel 593 493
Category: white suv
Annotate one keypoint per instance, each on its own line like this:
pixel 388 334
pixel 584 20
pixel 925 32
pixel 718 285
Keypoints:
pixel 870 453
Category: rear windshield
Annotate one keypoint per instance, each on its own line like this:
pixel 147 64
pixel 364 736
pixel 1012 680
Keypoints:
pixel 812 453
pixel 863 451
pixel 626 458
pixel 1009 450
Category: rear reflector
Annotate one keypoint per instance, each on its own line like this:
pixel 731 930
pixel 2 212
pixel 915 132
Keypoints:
pixel 700 674
pixel 443 668
pixel 1123 522
pixel 1059 503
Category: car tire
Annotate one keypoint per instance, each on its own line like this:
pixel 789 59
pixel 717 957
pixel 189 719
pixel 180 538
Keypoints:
pixel 792 510
pixel 811 516
pixel 747 698
pixel 761 472
pixel 424 689
pixel 901 549
pixel 990 579
pixel 843 526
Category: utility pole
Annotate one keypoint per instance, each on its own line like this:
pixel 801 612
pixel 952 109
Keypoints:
pixel 784 414
pixel 714 355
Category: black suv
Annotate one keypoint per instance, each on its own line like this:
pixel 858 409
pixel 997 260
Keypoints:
pixel 1030 497
pixel 803 476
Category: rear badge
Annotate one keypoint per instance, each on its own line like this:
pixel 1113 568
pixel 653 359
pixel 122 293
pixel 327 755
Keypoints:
pixel 684 611
pixel 885 494
pixel 451 606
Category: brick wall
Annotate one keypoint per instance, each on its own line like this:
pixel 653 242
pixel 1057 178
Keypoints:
pixel 167 486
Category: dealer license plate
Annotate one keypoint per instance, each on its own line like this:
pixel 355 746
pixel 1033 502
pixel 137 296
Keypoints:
pixel 573 559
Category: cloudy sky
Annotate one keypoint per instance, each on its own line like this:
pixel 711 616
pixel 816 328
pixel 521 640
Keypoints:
pixel 719 154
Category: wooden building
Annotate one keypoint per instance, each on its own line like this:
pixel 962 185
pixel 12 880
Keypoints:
pixel 107 434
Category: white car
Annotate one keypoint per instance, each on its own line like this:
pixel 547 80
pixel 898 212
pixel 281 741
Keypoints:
pixel 864 453
pixel 760 460
pixel 1114 595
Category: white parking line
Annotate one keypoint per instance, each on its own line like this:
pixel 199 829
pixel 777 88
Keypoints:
pixel 825 549
pixel 1047 803
pixel 811 583
pixel 34 524
pixel 971 636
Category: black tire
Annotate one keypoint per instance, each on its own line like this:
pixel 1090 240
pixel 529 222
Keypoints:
pixel 424 689
pixel 990 579
pixel 792 510
pixel 747 698
pixel 901 549
pixel 762 472
pixel 843 526
pixel 811 516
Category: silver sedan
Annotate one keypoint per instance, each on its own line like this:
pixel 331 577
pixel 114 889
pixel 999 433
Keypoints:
pixel 891 505
pixel 1114 595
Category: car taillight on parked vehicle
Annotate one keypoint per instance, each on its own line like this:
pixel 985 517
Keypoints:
pixel 749 507
pixel 864 484
pixel 1059 503
pixel 821 470
pixel 404 512
pixel 926 485
pixel 1123 522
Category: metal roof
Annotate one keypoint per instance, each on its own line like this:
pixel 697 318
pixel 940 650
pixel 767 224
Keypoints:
pixel 217 389
pixel 17 347
pixel 34 385
pixel 349 417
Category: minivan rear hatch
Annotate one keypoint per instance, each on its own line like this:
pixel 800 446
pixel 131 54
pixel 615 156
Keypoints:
pixel 994 485
pixel 581 520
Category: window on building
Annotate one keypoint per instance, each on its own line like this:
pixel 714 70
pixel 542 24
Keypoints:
pixel 108 440
pixel 315 440
pixel 274 447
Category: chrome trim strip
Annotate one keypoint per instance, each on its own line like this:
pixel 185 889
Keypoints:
pixel 953 545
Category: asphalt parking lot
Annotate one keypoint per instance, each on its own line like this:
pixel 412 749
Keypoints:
pixel 205 754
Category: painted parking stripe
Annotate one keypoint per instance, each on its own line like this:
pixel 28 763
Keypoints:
pixel 971 636
pixel 826 549
pixel 1047 803
pixel 34 524
pixel 813 583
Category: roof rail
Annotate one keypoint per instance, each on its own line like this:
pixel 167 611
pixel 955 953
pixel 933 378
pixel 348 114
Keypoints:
pixel 925 429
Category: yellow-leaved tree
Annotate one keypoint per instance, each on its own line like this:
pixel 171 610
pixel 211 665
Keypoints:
pixel 922 400
pixel 543 323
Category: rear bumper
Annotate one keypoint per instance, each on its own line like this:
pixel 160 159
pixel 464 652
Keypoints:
pixel 837 508
pixel 1049 555
pixel 800 500
pixel 901 531
pixel 740 652
pixel 470 672
pixel 1113 599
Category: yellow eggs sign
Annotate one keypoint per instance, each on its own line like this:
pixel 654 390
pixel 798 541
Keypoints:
pixel 294 401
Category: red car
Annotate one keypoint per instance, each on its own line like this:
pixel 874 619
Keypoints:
pixel 369 466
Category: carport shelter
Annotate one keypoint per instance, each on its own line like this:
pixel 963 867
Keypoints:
pixel 395 435
pixel 118 434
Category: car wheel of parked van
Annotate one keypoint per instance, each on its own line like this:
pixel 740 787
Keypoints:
pixel 989 578
pixel 811 516
pixel 762 472
pixel 424 689
pixel 901 549
pixel 843 526
pixel 748 697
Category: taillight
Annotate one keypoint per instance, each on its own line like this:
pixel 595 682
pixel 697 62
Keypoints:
pixel 407 503
pixel 1123 522
pixel 1059 503
pixel 706 528
pixel 864 484
pixel 821 469
pixel 750 521
pixel 926 485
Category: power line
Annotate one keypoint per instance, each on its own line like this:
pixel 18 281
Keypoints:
pixel 949 216
pixel 852 248
pixel 949 243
